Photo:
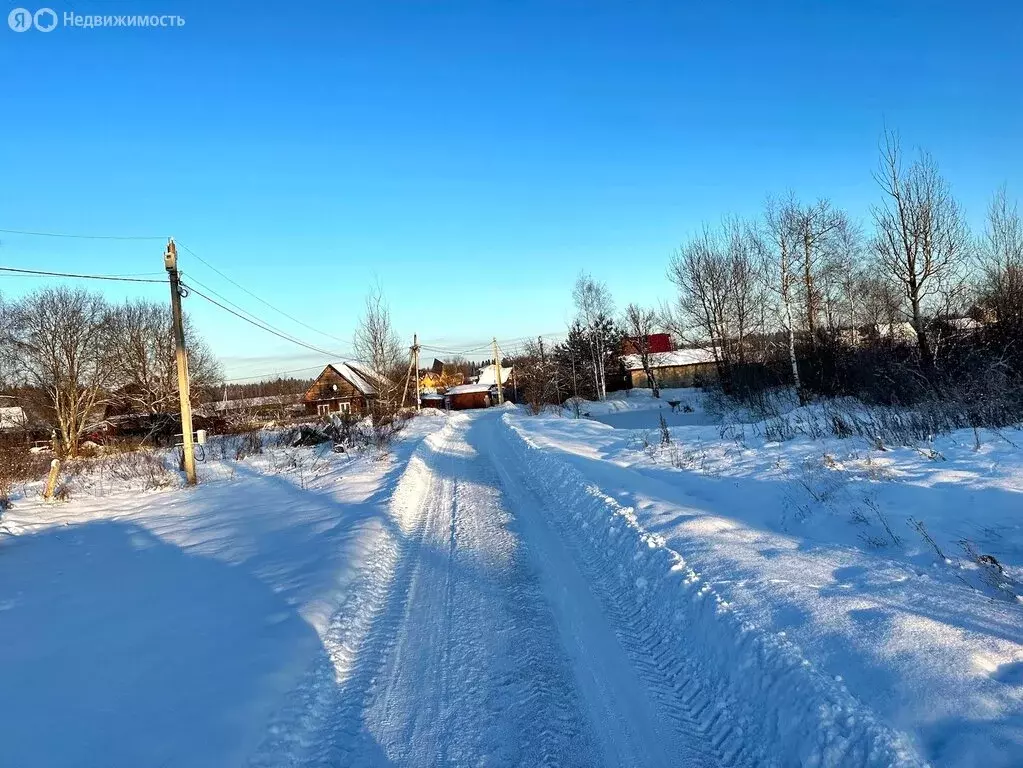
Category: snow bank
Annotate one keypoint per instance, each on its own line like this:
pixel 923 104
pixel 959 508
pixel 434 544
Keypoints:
pixel 752 687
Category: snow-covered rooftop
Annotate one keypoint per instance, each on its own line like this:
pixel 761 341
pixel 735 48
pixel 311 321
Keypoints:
pixel 464 389
pixel 488 375
pixel 368 382
pixel 678 358
pixel 12 417
pixel 245 403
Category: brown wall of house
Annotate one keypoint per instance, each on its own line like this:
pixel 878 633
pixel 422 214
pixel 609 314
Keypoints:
pixel 676 376
pixel 356 405
pixel 467 400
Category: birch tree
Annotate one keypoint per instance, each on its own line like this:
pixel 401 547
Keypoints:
pixel 595 307
pixel 779 248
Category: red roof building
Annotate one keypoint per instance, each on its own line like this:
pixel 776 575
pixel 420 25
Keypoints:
pixel 656 342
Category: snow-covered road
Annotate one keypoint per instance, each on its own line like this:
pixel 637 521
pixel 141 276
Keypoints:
pixel 488 640
pixel 466 597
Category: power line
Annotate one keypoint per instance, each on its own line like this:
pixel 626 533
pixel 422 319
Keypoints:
pixel 78 236
pixel 453 351
pixel 263 376
pixel 271 329
pixel 241 309
pixel 82 237
pixel 260 325
pixel 117 278
pixel 254 320
pixel 257 298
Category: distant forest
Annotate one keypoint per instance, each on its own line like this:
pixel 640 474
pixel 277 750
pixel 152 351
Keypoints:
pixel 279 386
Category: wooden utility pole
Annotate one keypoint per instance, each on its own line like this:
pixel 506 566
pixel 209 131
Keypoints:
pixel 497 375
pixel 408 376
pixel 170 261
pixel 415 357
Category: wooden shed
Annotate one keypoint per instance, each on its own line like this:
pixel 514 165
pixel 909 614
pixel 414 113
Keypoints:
pixel 468 396
pixel 432 400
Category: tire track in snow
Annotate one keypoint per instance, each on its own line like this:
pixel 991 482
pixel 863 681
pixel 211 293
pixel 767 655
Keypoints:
pixel 690 731
pixel 477 676
pixel 442 652
pixel 751 694
pixel 321 723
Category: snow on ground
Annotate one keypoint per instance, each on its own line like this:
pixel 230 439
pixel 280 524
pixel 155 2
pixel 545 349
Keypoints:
pixel 815 544
pixel 164 628
pixel 501 589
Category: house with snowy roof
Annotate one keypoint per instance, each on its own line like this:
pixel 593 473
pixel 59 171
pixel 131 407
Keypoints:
pixel 678 368
pixel 346 388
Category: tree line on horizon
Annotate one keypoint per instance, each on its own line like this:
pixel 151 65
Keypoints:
pixel 909 308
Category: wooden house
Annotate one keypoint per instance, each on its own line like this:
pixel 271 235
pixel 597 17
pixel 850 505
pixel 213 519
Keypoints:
pixel 345 388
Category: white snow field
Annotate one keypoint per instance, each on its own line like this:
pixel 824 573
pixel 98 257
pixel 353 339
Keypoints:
pixel 504 590
pixel 789 540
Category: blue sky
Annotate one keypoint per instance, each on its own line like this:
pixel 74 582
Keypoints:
pixel 472 156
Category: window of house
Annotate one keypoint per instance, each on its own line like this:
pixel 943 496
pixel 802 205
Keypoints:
pixel 323 409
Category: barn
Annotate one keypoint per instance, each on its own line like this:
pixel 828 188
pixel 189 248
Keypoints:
pixel 345 388
pixel 680 368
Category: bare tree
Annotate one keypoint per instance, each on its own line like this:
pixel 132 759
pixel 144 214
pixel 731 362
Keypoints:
pixel 816 229
pixel 144 344
pixel 922 238
pixel 377 345
pixel 537 374
pixel 640 323
pixel 595 308
pixel 745 299
pixel 6 344
pixel 63 346
pixel 700 274
pixel 840 276
pixel 1001 251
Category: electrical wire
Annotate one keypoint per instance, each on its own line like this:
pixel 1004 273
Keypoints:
pixel 82 237
pixel 260 325
pixel 257 298
pixel 244 311
pixel 183 246
pixel 263 376
pixel 116 278
pixel 254 320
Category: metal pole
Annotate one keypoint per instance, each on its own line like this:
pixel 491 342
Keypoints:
pixel 170 261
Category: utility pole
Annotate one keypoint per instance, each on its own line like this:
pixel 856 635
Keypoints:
pixel 408 376
pixel 497 375
pixel 415 354
pixel 170 261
